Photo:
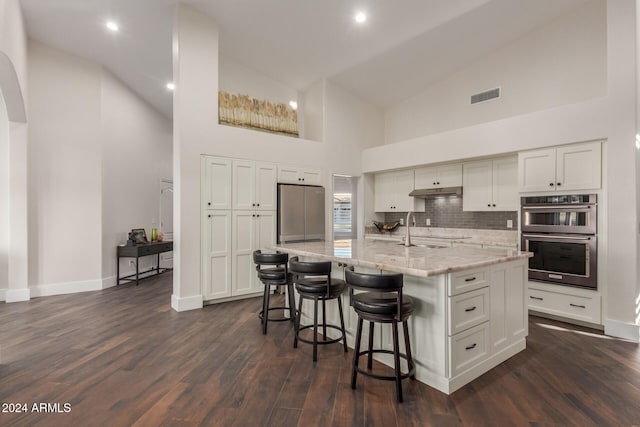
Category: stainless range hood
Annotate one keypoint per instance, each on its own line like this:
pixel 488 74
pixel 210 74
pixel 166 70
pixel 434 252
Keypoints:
pixel 433 192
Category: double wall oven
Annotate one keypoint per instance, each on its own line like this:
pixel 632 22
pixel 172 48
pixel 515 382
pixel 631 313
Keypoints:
pixel 560 231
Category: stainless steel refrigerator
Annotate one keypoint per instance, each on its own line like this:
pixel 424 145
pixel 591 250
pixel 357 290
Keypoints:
pixel 300 213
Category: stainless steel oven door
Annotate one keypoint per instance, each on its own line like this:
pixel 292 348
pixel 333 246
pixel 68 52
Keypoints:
pixel 563 259
pixel 559 219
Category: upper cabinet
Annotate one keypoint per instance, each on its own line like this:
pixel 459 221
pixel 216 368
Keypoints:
pixel 216 183
pixel 439 176
pixel 254 185
pixel 490 185
pixel 392 190
pixel 566 168
pixel 298 175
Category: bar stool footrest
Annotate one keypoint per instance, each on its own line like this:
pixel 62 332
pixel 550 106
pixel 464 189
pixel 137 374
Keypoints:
pixel 324 340
pixel 368 373
pixel 280 319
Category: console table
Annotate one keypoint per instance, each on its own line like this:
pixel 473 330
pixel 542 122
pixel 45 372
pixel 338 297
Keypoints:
pixel 140 250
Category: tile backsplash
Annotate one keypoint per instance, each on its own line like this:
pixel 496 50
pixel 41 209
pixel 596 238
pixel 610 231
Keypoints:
pixel 447 212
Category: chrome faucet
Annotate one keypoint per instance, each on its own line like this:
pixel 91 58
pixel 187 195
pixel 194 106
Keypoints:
pixel 407 238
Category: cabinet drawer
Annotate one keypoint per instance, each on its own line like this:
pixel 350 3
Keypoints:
pixel 468 309
pixel 465 281
pixel 578 307
pixel 468 348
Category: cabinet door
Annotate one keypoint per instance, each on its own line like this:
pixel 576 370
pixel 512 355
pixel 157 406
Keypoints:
pixel 265 238
pixel 311 177
pixel 288 174
pixel 509 321
pixel 216 183
pixel 449 175
pixel 505 187
pixel 403 184
pixel 537 170
pixel 426 177
pixel 244 188
pixel 265 186
pixel 477 186
pixel 216 266
pixel 242 247
pixel 578 167
pixel 383 192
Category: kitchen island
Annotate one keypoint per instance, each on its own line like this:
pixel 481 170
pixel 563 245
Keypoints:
pixel 470 309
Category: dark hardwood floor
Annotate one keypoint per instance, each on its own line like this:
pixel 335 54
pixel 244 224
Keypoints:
pixel 122 357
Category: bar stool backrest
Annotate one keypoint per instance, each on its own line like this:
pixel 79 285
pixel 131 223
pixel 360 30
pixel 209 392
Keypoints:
pixel 384 283
pixel 311 269
pixel 270 258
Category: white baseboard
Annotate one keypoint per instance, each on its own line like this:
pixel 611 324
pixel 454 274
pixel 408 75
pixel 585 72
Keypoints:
pixel 627 331
pixel 3 294
pixel 66 288
pixel 108 282
pixel 17 295
pixel 187 303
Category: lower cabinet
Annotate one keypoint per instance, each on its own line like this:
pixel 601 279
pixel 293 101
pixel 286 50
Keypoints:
pixel 230 239
pixel 565 302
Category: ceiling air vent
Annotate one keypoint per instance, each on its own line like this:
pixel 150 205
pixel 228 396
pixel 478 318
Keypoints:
pixel 485 96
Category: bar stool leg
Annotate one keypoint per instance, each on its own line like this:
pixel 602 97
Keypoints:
pixel 292 303
pixel 344 333
pixel 296 323
pixel 356 354
pixel 324 320
pixel 407 346
pixel 315 329
pixel 265 313
pixel 370 355
pixel 396 360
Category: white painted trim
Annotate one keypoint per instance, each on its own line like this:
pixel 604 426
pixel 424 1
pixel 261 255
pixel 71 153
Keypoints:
pixel 109 282
pixel 66 288
pixel 3 295
pixel 618 329
pixel 187 303
pixel 17 295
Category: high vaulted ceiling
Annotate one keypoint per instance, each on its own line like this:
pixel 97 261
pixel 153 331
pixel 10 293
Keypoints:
pixel 402 48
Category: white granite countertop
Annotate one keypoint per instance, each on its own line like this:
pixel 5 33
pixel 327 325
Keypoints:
pixel 391 256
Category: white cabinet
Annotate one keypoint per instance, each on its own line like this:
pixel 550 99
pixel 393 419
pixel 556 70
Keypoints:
pixel 565 168
pixel 490 185
pixel 216 182
pixel 254 185
pixel 391 193
pixel 238 216
pixel 251 230
pixel 438 176
pixel 216 249
pixel 566 302
pixel 299 175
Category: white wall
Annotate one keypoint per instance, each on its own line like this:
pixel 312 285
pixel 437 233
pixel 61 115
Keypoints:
pixel 64 167
pixel 561 63
pixel 4 198
pixel 196 132
pixel 136 155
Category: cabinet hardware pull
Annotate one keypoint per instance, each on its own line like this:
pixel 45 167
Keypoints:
pixel 489 204
pixel 537 298
pixel 253 204
pixel 551 184
pixel 209 216
pixel 559 184
pixel 577 305
pixel 470 279
pixel 209 203
pixel 253 215
pixel 472 346
pixel 470 309
pixel 257 204
pixel 258 215
pixel 494 205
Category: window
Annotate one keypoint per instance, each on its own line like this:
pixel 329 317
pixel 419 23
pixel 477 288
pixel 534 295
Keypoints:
pixel 344 207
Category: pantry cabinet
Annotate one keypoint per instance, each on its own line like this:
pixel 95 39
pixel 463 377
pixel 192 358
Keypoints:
pixel 216 182
pixel 559 169
pixel 252 230
pixel 254 185
pixel 439 176
pixel 490 185
pixel 391 193
pixel 216 251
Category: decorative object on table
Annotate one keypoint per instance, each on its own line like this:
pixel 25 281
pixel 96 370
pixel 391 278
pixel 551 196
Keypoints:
pixel 154 234
pixel 139 236
pixel 160 236
pixel 389 227
pixel 244 111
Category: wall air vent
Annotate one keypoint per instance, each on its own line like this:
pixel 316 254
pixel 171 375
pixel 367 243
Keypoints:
pixel 485 96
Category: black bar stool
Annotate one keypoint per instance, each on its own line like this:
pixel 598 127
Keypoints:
pixel 382 302
pixel 272 271
pixel 313 281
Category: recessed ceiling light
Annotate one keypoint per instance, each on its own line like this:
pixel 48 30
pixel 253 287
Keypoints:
pixel 171 86
pixel 293 104
pixel 112 26
pixel 360 17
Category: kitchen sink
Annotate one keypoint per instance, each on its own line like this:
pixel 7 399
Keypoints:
pixel 425 246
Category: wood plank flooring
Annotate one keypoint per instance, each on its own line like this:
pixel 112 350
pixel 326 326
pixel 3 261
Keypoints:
pixel 122 357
